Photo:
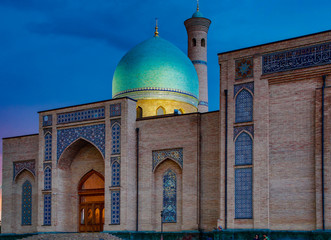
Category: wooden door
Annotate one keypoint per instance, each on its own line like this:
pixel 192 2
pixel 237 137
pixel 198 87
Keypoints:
pixel 92 216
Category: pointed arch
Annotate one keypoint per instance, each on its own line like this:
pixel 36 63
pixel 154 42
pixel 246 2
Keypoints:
pixel 86 176
pixel 139 112
pixel 244 106
pixel 244 149
pixel 194 42
pixel 167 159
pixel 169 197
pixel 160 111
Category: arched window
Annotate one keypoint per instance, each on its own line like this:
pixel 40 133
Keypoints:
pixel 48 147
pixel 116 174
pixel 169 197
pixel 194 42
pixel 26 203
pixel 203 42
pixel 48 178
pixel 243 149
pixel 139 112
pixel 116 139
pixel 244 106
pixel 160 111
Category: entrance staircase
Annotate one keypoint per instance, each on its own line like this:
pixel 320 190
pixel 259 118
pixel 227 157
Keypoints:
pixel 73 236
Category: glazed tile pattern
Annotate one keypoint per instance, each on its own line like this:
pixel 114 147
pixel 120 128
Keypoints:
pixel 47 209
pixel 237 130
pixel 169 197
pixel 244 149
pixel 298 58
pixel 115 206
pixel 244 107
pixel 238 87
pixel 203 103
pixel 20 166
pixel 115 138
pixel 47 120
pixel 84 115
pixel 199 62
pixel 26 203
pixel 115 110
pixel 93 133
pixel 47 178
pixel 244 68
pixel 243 193
pixel 48 147
pixel 161 155
pixel 116 174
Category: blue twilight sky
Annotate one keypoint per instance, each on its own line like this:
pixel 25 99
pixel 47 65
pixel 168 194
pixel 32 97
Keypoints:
pixel 57 53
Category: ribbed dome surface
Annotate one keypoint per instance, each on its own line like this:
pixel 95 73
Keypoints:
pixel 155 65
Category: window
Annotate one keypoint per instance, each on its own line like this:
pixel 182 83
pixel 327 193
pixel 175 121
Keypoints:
pixel 47 209
pixel 243 193
pixel 116 139
pixel 48 179
pixel 48 147
pixel 169 197
pixel 243 149
pixel 203 42
pixel 115 207
pixel 26 203
pixel 244 106
pixel 194 42
pixel 116 174
pixel 160 111
pixel 139 112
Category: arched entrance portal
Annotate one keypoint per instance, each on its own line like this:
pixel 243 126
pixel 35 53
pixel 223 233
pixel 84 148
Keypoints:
pixel 91 191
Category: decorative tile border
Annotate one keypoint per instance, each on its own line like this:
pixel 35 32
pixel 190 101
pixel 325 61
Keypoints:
pixel 243 193
pixel 84 115
pixel 203 103
pixel 47 130
pixel 115 206
pixel 238 130
pixel 48 164
pixel 161 155
pixel 244 68
pixel 199 62
pixel 297 58
pixel 94 133
pixel 115 159
pixel 238 87
pixel 47 120
pixel 115 110
pixel 47 209
pixel 18 167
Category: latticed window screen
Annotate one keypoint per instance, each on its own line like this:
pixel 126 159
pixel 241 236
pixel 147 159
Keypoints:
pixel 48 147
pixel 47 209
pixel 48 179
pixel 116 175
pixel 116 139
pixel 115 206
pixel 26 203
pixel 243 149
pixel 169 197
pixel 243 193
pixel 244 107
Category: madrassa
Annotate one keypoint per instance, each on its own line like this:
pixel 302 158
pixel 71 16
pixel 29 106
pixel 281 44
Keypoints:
pixel 153 153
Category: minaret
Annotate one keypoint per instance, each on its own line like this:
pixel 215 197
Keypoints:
pixel 197 29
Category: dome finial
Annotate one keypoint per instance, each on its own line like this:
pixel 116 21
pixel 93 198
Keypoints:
pixel 156 33
pixel 197 5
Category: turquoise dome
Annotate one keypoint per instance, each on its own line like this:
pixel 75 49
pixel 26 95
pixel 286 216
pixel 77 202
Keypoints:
pixel 197 14
pixel 156 69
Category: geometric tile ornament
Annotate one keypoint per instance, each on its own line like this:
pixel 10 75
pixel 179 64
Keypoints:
pixel 115 206
pixel 243 149
pixel 244 107
pixel 116 174
pixel 244 68
pixel 297 58
pixel 26 203
pixel 243 193
pixel 199 62
pixel 175 154
pixel 238 87
pixel 237 130
pixel 93 133
pixel 20 166
pixel 47 178
pixel 116 137
pixel 115 110
pixel 48 146
pixel 169 197
pixel 83 115
pixel 47 209
pixel 47 120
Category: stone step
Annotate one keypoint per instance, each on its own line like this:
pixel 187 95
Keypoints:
pixel 73 236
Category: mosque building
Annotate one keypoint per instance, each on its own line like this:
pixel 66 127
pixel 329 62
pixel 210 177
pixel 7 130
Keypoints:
pixel 154 153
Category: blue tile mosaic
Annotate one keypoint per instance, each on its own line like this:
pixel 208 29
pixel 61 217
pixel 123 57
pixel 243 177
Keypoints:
pixel 169 197
pixel 47 209
pixel 115 110
pixel 244 149
pixel 237 130
pixel 115 138
pixel 47 178
pixel 203 103
pixel 93 133
pixel 297 58
pixel 18 167
pixel 199 62
pixel 243 193
pixel 26 203
pixel 47 120
pixel 244 107
pixel 115 206
pixel 83 115
pixel 244 68
pixel 238 87
pixel 116 174
pixel 175 154
pixel 47 164
pixel 48 147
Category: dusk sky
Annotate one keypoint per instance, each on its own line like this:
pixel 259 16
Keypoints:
pixel 58 53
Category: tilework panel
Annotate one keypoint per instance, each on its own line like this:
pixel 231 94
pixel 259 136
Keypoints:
pixel 26 203
pixel 244 107
pixel 83 115
pixel 115 206
pixel 47 164
pixel 20 166
pixel 199 62
pixel 238 87
pixel 169 197
pixel 243 193
pixel 115 110
pixel 47 178
pixel 113 159
pixel 203 103
pixel 243 149
pixel 48 147
pixel 244 68
pixel 47 130
pixel 237 130
pixel 93 133
pixel 115 138
pixel 47 209
pixel 47 120
pixel 116 174
pixel 297 58
pixel 174 154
